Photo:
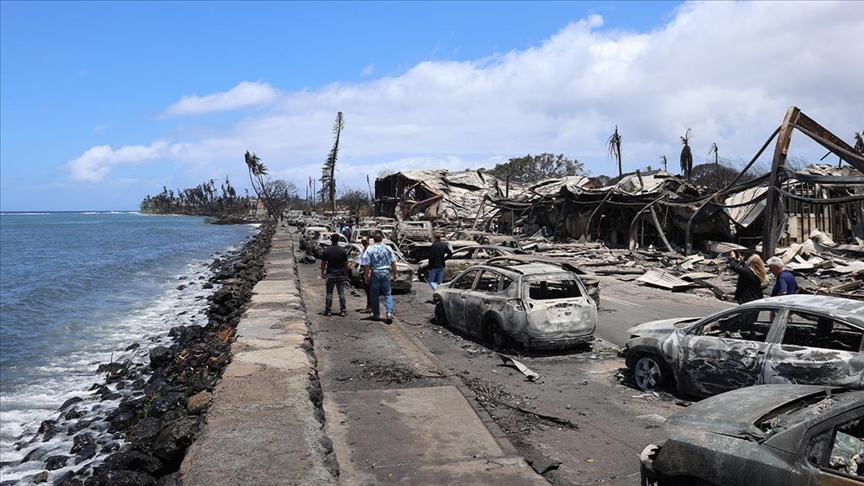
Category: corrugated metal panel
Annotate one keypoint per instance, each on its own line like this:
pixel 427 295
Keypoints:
pixel 663 279
pixel 745 215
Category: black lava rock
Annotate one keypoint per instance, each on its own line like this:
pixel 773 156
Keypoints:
pixel 56 462
pixel 160 356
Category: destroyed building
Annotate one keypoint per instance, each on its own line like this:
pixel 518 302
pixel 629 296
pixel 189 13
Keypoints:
pixel 652 209
pixel 654 225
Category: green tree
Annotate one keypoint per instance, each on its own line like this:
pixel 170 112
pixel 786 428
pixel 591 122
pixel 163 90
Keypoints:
pixel 686 158
pixel 354 200
pixel 614 147
pixel 531 168
pixel 714 175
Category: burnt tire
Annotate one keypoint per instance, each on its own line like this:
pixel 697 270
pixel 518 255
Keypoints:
pixel 649 373
pixel 494 336
pixel 440 314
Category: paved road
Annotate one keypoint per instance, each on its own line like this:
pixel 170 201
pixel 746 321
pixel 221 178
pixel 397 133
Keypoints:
pixel 581 423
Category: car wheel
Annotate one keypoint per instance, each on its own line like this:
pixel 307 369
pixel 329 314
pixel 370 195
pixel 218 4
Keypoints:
pixel 648 374
pixel 494 336
pixel 440 315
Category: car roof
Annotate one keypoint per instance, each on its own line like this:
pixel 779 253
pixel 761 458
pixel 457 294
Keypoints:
pixel 505 249
pixel 525 269
pixel 846 309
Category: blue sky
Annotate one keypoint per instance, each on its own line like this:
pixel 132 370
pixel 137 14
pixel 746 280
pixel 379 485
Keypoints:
pixel 103 103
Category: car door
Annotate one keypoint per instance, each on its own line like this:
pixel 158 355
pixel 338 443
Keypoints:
pixel 455 298
pixel 725 352
pixel 816 349
pixel 354 264
pixel 827 452
pixel 480 299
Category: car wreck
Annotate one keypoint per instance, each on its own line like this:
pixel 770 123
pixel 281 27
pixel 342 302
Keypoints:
pixel 803 339
pixel 766 434
pixel 534 305
pixel 355 270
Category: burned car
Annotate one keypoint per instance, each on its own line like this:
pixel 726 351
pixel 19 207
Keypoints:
pixel 803 339
pixel 765 434
pixel 464 258
pixel 355 276
pixel 316 244
pixel 592 283
pixel 535 305
pixel 310 232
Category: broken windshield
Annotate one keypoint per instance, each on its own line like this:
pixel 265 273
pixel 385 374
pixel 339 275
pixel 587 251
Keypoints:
pixel 553 289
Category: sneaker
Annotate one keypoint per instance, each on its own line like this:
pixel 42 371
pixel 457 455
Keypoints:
pixel 388 319
pixel 367 310
pixel 326 313
pixel 343 314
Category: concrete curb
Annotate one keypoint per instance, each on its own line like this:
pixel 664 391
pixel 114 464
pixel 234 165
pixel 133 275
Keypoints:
pixel 265 425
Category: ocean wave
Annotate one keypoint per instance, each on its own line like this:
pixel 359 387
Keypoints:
pixel 24 408
pixel 25 214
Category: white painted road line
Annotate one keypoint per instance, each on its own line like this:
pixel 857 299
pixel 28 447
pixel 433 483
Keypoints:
pixel 623 302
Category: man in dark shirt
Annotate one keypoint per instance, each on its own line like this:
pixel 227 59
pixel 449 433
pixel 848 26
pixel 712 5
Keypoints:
pixel 439 252
pixel 334 268
pixel 785 284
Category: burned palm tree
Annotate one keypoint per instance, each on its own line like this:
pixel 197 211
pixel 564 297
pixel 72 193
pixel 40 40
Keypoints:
pixel 663 159
pixel 716 153
pixel 613 144
pixel 328 170
pixel 859 143
pixel 258 178
pixel 686 156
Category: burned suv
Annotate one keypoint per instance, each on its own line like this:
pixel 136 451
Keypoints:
pixel 536 305
pixel 802 339
pixel 765 434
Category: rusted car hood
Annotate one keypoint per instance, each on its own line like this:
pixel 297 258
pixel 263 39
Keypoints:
pixel 737 412
pixel 663 327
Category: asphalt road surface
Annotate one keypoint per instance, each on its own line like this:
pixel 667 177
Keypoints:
pixel 582 422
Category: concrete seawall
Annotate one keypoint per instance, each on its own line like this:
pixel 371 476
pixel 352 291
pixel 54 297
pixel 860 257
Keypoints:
pixel 265 425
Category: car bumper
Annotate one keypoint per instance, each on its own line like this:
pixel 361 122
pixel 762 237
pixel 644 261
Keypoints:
pixel 646 469
pixel 558 342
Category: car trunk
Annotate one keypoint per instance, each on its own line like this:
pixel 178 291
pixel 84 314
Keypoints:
pixel 558 306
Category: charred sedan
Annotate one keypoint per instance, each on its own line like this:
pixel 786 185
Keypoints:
pixel 767 434
pixel 802 339
pixel 315 246
pixel 355 272
pixel 536 305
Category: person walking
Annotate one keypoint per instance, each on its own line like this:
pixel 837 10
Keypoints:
pixel 380 270
pixel 334 269
pixel 751 276
pixel 786 283
pixel 438 255
pixel 364 262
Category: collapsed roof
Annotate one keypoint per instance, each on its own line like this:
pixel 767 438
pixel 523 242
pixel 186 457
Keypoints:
pixel 653 206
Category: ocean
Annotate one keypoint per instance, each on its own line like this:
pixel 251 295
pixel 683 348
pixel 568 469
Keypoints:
pixel 76 290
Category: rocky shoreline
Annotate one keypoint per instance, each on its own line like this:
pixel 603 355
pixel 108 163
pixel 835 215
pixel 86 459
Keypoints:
pixel 162 404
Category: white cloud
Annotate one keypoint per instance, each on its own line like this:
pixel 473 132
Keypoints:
pixel 368 70
pixel 728 70
pixel 94 164
pixel 243 95
pixel 100 127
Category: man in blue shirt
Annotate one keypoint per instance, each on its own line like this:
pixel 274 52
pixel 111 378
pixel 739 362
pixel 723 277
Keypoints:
pixel 364 262
pixel 380 270
pixel 785 284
